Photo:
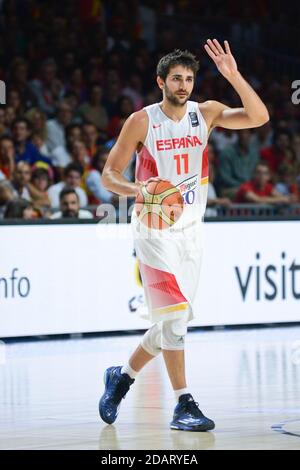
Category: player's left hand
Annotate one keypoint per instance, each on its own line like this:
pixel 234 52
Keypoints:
pixel 223 59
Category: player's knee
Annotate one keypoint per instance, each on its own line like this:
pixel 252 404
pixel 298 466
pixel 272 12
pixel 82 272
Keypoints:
pixel 173 334
pixel 151 340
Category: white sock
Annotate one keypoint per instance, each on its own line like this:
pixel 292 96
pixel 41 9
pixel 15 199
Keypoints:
pixel 179 392
pixel 129 371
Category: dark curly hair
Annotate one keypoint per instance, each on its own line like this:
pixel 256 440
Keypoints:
pixel 177 57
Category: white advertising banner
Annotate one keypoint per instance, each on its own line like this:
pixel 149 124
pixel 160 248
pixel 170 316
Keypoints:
pixel 57 279
pixel 250 274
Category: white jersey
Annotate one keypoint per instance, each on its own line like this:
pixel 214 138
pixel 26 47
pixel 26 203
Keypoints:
pixel 177 151
pixel 170 259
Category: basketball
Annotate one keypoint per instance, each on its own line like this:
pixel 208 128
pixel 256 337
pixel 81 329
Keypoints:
pixel 159 205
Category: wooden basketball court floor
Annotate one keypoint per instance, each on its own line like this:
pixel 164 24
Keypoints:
pixel 248 381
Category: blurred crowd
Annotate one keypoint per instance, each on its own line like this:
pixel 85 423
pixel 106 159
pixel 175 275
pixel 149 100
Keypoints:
pixel 75 71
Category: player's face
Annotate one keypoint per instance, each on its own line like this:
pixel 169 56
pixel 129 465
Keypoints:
pixel 179 85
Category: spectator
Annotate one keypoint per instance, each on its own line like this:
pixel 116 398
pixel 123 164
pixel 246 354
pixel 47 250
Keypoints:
pixel 39 142
pixel 212 154
pixel 259 190
pixel 72 100
pixel 221 138
pixel 25 150
pixel 6 195
pixel 262 137
pixel 278 152
pixel 29 188
pixel 38 122
pixel 10 116
pixel 124 109
pixel 76 84
pixel 20 209
pixel 134 91
pixel 19 80
pixel 113 91
pixel 61 155
pixel 110 143
pixel 90 138
pixel 40 182
pixel 7 156
pixel 70 207
pixel 92 110
pixel 286 184
pixel 153 96
pixel 47 89
pixel 129 172
pixel 14 100
pixel 3 128
pixel 56 126
pixel 237 163
pixel 212 199
pixel 79 154
pixel 96 191
pixel 73 179
pixel 21 180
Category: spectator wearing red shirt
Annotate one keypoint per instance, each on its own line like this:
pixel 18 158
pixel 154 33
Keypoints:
pixel 259 190
pixel 277 153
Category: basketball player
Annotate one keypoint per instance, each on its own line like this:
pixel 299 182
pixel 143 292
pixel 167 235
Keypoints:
pixel 170 139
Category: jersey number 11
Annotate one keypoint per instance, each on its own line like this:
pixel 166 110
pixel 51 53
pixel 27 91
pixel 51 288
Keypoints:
pixel 182 163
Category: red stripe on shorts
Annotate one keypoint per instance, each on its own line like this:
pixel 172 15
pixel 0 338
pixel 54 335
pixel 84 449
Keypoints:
pixel 161 286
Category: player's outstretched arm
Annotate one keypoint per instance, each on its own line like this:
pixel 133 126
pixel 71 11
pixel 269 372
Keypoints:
pixel 132 134
pixel 254 113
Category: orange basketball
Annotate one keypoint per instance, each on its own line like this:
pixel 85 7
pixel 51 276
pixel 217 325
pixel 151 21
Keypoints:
pixel 159 204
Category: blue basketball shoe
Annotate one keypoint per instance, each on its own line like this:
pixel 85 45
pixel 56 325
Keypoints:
pixel 116 387
pixel 188 417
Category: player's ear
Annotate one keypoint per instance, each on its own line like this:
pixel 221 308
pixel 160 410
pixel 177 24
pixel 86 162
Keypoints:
pixel 160 82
